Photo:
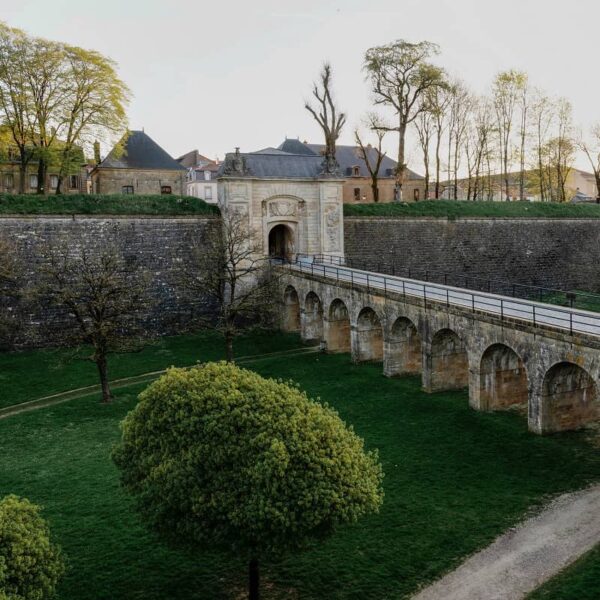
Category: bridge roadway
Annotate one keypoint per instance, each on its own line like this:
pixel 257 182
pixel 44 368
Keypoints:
pixel 534 313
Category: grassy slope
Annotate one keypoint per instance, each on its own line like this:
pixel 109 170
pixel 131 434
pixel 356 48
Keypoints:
pixel 453 209
pixel 581 581
pixel 33 374
pixel 83 204
pixel 454 480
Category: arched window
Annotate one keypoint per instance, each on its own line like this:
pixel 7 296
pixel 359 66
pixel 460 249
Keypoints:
pixel 356 171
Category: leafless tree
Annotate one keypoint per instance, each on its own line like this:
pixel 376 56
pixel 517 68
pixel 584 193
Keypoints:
pixel 372 155
pixel 425 124
pixel 229 270
pixel 591 148
pixel 105 295
pixel 329 118
pixel 542 115
pixel 524 108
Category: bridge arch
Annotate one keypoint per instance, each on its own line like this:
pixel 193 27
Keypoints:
pixel 312 318
pixel 337 327
pixel 569 398
pixel 447 363
pixel 368 337
pixel 291 309
pixel 402 349
pixel 502 378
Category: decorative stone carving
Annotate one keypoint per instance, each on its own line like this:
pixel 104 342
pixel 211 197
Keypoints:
pixel 332 228
pixel 235 164
pixel 282 208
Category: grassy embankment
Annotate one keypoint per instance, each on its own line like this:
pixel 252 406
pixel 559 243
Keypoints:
pixel 454 479
pixel 455 209
pixel 84 204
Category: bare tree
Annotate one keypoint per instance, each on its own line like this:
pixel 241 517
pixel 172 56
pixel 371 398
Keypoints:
pixel 104 293
pixel 524 107
pixel 459 109
pixel 372 155
pixel 506 92
pixel 400 74
pixel 542 115
pixel 439 100
pixel 228 269
pixel 425 125
pixel 329 118
pixel 591 148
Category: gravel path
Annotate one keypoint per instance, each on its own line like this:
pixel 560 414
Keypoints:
pixel 522 559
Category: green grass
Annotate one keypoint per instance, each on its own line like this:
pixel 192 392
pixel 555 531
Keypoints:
pixel 581 581
pixel 454 479
pixel 84 204
pixel 583 300
pixel 37 373
pixel 458 208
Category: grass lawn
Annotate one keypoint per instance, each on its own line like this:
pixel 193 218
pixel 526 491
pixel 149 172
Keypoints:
pixel 581 581
pixel 90 204
pixel 458 208
pixel 454 479
pixel 33 374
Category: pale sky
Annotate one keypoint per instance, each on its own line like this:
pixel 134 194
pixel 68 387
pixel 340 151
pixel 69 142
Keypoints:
pixel 214 75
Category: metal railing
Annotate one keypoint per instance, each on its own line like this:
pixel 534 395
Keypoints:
pixel 559 297
pixel 507 308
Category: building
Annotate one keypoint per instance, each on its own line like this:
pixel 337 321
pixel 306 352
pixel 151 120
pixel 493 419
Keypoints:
pixel 580 186
pixel 200 179
pixel 138 165
pixel 357 187
pixel 292 205
pixel 74 182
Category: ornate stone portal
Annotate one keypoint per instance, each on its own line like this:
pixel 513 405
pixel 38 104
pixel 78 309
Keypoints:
pixel 290 214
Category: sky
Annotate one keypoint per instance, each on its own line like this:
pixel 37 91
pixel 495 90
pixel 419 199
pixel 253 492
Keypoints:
pixel 211 75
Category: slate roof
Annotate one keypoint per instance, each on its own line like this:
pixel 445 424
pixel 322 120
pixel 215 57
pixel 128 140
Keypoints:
pixel 141 152
pixel 193 158
pixel 348 157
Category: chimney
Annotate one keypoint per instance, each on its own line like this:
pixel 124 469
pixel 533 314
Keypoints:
pixel 97 152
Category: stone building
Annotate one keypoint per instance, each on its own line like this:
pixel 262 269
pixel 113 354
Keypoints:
pixel 141 166
pixel 290 203
pixel 357 187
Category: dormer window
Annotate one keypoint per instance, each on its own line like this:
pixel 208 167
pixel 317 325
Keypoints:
pixel 207 175
pixel 356 171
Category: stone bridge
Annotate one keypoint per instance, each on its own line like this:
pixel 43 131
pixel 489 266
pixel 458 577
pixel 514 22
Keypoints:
pixel 505 361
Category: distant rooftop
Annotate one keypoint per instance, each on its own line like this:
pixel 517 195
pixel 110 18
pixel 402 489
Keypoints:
pixel 140 151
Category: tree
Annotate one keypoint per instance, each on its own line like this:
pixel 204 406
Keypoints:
pixel 439 100
pixel 227 268
pixel 524 108
pixel 459 108
pixel 218 457
pixel 104 293
pixel 591 148
pixel 94 106
pixel 15 98
pixel 373 156
pixel 425 125
pixel 542 114
pixel 400 75
pixel 329 118
pixel 507 88
pixel 30 564
pixel 11 291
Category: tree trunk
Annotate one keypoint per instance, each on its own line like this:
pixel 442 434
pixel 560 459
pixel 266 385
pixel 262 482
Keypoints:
pixel 437 164
pixel 253 580
pixel 42 170
pixel 22 177
pixel 102 365
pixel 229 346
pixel 59 185
pixel 375 189
pixel 401 165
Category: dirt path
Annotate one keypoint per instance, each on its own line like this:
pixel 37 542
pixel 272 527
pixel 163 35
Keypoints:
pixel 116 384
pixel 522 559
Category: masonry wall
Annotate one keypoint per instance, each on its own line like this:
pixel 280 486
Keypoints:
pixel 159 244
pixel 106 180
pixel 556 253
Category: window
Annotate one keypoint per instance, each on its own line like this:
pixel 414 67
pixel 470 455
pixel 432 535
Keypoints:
pixel 33 182
pixel 416 194
pixel 74 182
pixel 9 181
pixel 53 181
pixel 356 171
pixel 127 189
pixel 207 175
pixel 165 189
pixel 207 192
pixel 357 194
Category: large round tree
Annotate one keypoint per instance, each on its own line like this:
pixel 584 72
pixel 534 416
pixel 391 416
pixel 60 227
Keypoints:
pixel 30 564
pixel 217 456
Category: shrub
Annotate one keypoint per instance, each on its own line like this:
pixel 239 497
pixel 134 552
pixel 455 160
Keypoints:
pixel 30 565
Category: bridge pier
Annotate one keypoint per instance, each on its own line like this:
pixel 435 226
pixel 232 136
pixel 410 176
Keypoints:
pixel 336 328
pixel 311 319
pixel 291 311
pixel 445 363
pixel 402 351
pixel 367 337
